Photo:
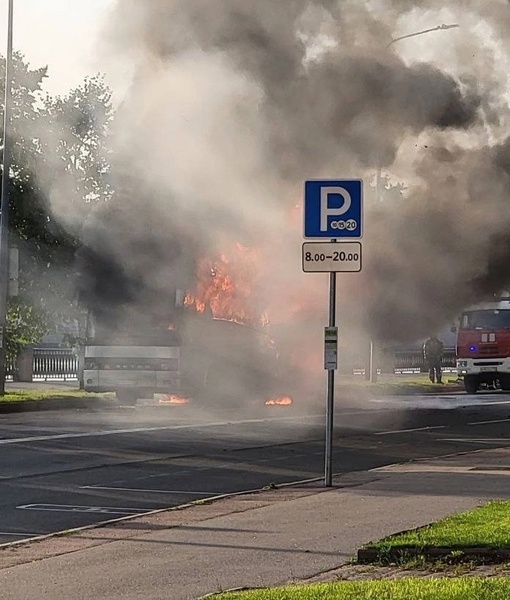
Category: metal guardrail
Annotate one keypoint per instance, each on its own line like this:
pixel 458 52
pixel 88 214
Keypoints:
pixel 54 363
pixel 62 363
pixel 402 361
pixel 413 361
pixel 59 364
pixel 10 368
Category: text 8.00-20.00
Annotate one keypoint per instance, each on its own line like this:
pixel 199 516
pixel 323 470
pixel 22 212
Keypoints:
pixel 336 256
pixel 323 257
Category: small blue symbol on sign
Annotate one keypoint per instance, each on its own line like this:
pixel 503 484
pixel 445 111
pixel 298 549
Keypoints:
pixel 333 209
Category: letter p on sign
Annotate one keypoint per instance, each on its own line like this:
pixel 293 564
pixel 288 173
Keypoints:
pixel 326 211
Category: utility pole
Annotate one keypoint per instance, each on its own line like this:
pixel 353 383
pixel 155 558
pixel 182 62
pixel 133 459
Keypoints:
pixel 4 199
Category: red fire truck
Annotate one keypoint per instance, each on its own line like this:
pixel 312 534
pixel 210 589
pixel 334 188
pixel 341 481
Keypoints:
pixel 483 346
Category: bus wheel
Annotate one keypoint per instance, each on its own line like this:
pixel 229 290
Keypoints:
pixel 471 384
pixel 127 397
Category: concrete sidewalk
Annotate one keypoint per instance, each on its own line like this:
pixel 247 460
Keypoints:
pixel 259 539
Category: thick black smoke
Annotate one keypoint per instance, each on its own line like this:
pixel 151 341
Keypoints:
pixel 356 101
pixel 447 246
pixel 134 258
pixel 234 104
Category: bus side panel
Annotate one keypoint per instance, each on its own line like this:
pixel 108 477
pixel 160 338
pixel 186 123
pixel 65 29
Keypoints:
pixel 102 372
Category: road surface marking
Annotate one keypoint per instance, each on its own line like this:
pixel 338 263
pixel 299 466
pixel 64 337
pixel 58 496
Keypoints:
pixel 124 489
pixel 167 474
pixel 495 403
pixel 489 422
pixel 66 436
pixel 498 441
pixel 16 534
pixel 100 510
pixel 442 402
pixel 410 430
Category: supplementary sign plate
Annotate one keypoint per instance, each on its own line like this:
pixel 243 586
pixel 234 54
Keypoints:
pixel 330 257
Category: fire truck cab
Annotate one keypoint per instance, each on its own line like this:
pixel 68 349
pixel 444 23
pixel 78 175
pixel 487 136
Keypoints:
pixel 483 346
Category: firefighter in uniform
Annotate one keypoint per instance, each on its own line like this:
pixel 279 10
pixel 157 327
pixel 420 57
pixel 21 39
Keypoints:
pixel 433 353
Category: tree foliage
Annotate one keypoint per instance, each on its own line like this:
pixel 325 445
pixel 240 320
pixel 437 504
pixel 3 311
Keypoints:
pixel 26 325
pixel 75 131
pixel 59 171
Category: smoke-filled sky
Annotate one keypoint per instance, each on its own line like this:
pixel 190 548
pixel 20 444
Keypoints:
pixel 234 104
pixel 62 34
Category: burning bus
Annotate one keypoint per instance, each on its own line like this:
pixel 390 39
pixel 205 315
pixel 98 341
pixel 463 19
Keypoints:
pixel 133 357
pixel 198 356
pixel 146 336
pixel 170 311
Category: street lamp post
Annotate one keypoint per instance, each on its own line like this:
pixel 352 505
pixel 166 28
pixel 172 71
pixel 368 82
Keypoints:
pixel 371 372
pixel 4 199
pixel 438 28
pixel 442 27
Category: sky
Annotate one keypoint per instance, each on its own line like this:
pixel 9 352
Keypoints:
pixel 61 34
pixel 64 35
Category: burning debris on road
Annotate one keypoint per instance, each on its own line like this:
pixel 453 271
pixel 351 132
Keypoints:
pixel 175 400
pixel 279 401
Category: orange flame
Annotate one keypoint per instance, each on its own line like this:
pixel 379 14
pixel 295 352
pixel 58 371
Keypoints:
pixel 173 399
pixel 279 401
pixel 225 286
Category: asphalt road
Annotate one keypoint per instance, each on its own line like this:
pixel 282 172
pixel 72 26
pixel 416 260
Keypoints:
pixel 74 468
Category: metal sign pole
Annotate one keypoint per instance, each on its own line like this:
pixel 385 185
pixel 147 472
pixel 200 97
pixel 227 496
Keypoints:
pixel 328 476
pixel 333 209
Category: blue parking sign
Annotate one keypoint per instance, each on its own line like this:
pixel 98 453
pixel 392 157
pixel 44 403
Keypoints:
pixel 334 209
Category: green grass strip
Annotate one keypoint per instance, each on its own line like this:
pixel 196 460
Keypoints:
pixel 466 588
pixel 48 394
pixel 488 527
pixel 400 384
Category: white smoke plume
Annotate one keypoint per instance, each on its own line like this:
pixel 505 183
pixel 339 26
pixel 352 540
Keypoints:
pixel 234 104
